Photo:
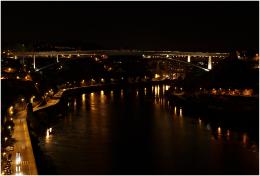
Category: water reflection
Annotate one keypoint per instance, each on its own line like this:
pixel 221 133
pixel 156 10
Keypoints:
pixel 83 98
pixel 219 131
pixel 48 136
pixel 102 97
pixel 153 135
pixel 228 134
pixel 180 112
pixel 245 139
pixel 92 101
pixel 75 103
pixel 200 122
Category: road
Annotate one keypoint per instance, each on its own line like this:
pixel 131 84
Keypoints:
pixel 23 145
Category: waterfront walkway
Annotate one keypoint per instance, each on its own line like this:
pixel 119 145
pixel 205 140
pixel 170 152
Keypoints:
pixel 23 145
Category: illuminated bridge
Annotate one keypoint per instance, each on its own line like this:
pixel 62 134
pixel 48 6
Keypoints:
pixel 185 57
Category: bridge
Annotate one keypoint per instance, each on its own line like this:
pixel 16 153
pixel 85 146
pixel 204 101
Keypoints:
pixel 177 55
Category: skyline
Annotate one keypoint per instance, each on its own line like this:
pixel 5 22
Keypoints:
pixel 135 25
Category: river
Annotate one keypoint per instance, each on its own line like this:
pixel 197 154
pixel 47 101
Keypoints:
pixel 137 131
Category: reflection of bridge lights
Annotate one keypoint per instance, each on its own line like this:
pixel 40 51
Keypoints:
pixel 47 134
pixel 219 131
pixel 167 87
pixel 245 138
pixel 83 98
pixel 102 92
pixel 200 122
pixel 228 133
pixel 180 112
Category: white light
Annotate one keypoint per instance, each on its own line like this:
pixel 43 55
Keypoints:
pixel 47 133
pixel 18 158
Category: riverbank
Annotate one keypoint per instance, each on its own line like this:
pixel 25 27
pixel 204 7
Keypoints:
pixel 219 103
pixel 23 145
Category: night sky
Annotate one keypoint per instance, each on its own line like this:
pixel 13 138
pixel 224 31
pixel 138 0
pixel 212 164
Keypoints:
pixel 135 25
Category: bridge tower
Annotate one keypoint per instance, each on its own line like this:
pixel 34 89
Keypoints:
pixel 209 63
pixel 188 58
pixel 34 63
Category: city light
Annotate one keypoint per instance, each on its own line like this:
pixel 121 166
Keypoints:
pixel 32 98
pixel 156 76
pixel 11 110
pixel 18 158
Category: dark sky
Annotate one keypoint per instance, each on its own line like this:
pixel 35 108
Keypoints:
pixel 140 25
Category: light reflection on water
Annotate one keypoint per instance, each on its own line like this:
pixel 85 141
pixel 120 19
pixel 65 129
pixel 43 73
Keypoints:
pixel 112 129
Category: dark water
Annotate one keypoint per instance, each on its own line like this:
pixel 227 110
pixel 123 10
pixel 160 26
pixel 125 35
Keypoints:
pixel 136 131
